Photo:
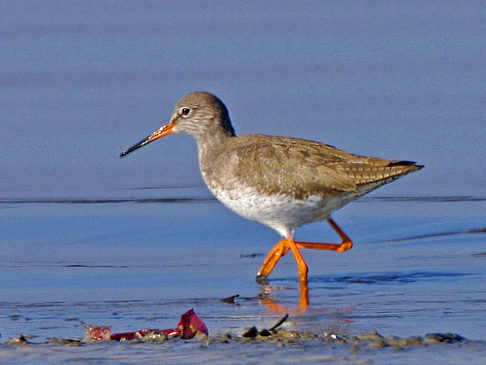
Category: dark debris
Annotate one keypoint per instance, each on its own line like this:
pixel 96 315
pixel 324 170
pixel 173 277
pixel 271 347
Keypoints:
pixel 283 337
pixel 231 299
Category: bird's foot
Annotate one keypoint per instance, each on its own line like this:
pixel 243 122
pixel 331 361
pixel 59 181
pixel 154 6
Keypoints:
pixel 261 279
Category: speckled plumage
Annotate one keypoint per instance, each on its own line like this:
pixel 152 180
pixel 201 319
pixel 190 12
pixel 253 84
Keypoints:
pixel 245 173
pixel 281 182
pixel 247 170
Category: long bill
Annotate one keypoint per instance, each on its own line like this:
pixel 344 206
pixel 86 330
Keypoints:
pixel 159 133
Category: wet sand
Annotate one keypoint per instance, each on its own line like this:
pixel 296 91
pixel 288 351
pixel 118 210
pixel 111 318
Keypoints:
pixel 133 243
pixel 410 274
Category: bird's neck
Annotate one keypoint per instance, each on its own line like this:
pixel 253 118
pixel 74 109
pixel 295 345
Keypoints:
pixel 211 141
pixel 210 144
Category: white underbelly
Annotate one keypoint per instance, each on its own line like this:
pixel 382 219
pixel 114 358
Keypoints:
pixel 279 211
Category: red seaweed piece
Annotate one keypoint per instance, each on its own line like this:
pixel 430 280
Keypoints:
pixel 96 333
pixel 187 328
pixel 190 324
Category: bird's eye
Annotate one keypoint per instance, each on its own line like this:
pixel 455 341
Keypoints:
pixel 185 111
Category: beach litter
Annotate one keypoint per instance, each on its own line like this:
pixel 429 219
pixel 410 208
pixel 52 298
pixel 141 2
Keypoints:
pixel 189 326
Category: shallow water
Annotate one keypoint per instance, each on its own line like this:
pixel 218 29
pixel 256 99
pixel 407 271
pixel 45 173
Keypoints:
pixel 134 243
pixel 131 261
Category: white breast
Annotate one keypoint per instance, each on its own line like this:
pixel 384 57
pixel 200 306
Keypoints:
pixel 280 212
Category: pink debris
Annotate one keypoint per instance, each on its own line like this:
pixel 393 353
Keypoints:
pixel 96 333
pixel 189 325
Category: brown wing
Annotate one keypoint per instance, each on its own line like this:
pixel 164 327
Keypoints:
pixel 301 167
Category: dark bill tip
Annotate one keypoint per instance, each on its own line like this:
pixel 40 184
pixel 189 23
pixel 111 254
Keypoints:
pixel 136 146
pixel 159 133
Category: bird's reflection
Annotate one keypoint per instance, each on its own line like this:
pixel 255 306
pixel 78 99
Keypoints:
pixel 265 298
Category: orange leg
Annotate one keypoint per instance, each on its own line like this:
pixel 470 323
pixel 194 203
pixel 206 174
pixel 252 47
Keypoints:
pixel 345 244
pixel 302 266
pixel 280 249
pixel 304 297
pixel 283 246
pixel 277 252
